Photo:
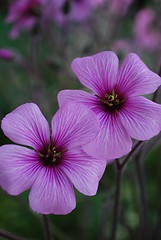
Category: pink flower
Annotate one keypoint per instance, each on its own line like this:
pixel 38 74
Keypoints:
pixel 145 29
pixel 50 167
pixel 24 14
pixel 6 54
pixel 116 100
pixel 119 7
pixel 78 10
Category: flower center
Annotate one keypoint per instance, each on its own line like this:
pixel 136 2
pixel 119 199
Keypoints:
pixel 51 158
pixel 111 102
pixel 33 10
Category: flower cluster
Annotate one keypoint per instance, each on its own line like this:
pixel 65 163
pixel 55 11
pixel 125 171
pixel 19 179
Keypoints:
pixel 27 14
pixel 88 131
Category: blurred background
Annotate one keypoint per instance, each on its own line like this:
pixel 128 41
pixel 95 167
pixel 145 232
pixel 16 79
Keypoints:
pixel 38 41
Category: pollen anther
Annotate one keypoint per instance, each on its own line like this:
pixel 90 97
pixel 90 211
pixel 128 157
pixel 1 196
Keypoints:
pixel 112 102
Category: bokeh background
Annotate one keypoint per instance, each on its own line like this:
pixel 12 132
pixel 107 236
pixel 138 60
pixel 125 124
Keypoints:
pixel 37 68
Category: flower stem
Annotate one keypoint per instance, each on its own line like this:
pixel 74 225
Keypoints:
pixel 143 197
pixel 157 229
pixel 133 151
pixel 116 211
pixel 47 228
pixel 10 236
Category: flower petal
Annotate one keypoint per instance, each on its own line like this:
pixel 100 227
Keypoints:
pixel 25 23
pixel 112 142
pixel 27 126
pixel 52 193
pixel 83 170
pixel 82 97
pixel 80 10
pixel 141 118
pixel 74 125
pixel 97 72
pixel 77 96
pixel 135 78
pixel 19 167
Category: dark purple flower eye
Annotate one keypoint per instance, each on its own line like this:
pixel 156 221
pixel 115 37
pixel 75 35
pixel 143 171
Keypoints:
pixel 111 102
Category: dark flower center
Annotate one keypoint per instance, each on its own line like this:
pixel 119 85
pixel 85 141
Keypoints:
pixel 52 157
pixel 111 102
pixel 33 11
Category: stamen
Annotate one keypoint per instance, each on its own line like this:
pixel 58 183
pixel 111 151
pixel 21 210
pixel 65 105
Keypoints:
pixel 112 102
pixel 51 157
pixel 111 98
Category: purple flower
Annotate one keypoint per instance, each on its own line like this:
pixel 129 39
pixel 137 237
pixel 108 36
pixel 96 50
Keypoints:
pixel 78 10
pixel 146 29
pixel 116 100
pixel 24 14
pixel 6 54
pixel 122 46
pixel 119 7
pixel 53 165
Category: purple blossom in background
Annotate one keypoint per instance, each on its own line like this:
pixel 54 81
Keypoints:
pixel 53 166
pixel 116 100
pixel 6 54
pixel 146 29
pixel 24 14
pixel 119 7
pixel 78 10
pixel 122 46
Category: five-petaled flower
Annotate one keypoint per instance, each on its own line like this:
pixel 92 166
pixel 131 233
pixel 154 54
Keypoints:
pixel 116 100
pixel 51 166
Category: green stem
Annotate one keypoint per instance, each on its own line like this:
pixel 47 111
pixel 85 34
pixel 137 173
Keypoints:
pixel 131 154
pixel 116 210
pixel 10 236
pixel 47 228
pixel 143 197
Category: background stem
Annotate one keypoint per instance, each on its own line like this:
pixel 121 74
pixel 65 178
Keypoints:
pixel 140 173
pixel 116 210
pixel 47 228
pixel 10 236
